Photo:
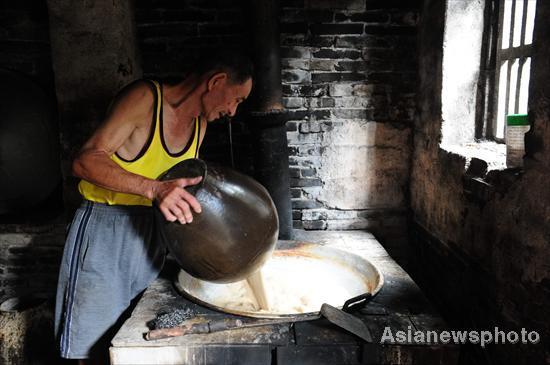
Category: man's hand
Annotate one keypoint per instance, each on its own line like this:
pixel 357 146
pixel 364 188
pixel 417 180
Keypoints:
pixel 174 202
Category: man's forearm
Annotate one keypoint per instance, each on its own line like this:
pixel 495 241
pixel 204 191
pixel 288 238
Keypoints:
pixel 97 168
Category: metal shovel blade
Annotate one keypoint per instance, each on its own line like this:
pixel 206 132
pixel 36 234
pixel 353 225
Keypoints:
pixel 346 321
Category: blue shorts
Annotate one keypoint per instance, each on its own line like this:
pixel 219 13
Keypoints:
pixel 111 254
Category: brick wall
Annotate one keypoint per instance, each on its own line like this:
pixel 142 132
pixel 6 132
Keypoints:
pixel 349 74
pixel 171 33
pixel 349 77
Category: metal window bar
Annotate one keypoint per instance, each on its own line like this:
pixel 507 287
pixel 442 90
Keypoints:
pixel 492 126
pixel 498 135
pixel 485 108
pixel 520 53
pixel 523 22
pixel 518 85
pixel 512 23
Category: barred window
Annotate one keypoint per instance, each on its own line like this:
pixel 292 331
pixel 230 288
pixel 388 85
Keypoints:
pixel 513 51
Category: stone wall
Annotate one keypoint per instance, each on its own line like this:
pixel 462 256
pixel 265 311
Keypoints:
pixel 482 239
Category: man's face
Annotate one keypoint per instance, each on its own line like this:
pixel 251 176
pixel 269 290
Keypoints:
pixel 223 96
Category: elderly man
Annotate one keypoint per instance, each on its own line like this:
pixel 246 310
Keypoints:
pixel 111 254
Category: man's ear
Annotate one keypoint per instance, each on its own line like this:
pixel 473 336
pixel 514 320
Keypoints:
pixel 216 80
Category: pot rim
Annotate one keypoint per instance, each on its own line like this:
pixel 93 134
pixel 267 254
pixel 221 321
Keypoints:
pixel 303 246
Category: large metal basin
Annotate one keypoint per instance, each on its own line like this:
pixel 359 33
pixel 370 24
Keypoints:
pixel 297 279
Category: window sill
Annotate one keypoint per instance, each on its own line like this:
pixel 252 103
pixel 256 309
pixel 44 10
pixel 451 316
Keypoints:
pixel 492 153
pixel 485 172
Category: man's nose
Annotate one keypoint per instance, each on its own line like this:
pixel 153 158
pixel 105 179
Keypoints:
pixel 232 110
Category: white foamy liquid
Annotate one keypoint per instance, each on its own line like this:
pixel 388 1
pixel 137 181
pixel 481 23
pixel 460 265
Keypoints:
pixel 292 285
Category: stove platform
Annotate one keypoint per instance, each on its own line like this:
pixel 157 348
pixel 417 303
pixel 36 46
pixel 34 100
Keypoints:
pixel 399 306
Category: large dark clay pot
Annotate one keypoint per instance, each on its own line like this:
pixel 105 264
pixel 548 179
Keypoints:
pixel 233 235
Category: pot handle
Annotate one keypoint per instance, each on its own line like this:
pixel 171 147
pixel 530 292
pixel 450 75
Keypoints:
pixel 187 168
pixel 357 302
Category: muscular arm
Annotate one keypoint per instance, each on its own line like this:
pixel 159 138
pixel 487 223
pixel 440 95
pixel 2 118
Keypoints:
pixel 93 163
pixel 131 110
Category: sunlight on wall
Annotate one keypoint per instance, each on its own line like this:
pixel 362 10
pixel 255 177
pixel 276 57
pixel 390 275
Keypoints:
pixel 461 62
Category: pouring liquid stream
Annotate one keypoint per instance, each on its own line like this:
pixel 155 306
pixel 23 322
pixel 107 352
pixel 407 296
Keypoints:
pixel 257 284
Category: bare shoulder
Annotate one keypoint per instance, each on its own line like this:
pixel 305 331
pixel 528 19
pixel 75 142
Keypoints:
pixel 133 103
pixel 127 121
pixel 137 89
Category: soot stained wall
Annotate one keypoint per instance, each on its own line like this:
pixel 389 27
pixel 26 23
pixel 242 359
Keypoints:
pixel 482 240
pixel 349 71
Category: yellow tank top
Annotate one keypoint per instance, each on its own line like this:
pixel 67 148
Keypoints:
pixel 152 161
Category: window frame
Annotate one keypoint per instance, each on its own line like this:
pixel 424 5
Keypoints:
pixel 492 57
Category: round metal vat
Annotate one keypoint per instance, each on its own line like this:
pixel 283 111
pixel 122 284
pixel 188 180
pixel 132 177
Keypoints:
pixel 298 280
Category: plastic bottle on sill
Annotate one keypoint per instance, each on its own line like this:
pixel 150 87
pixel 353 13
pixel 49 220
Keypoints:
pixel 516 127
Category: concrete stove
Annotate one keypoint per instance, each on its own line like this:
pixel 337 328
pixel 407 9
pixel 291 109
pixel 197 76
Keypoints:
pixel 400 305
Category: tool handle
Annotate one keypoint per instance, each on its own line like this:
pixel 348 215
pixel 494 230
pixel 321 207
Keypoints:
pixel 161 333
pixel 165 333
pixel 220 325
pixel 356 302
pixel 198 328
